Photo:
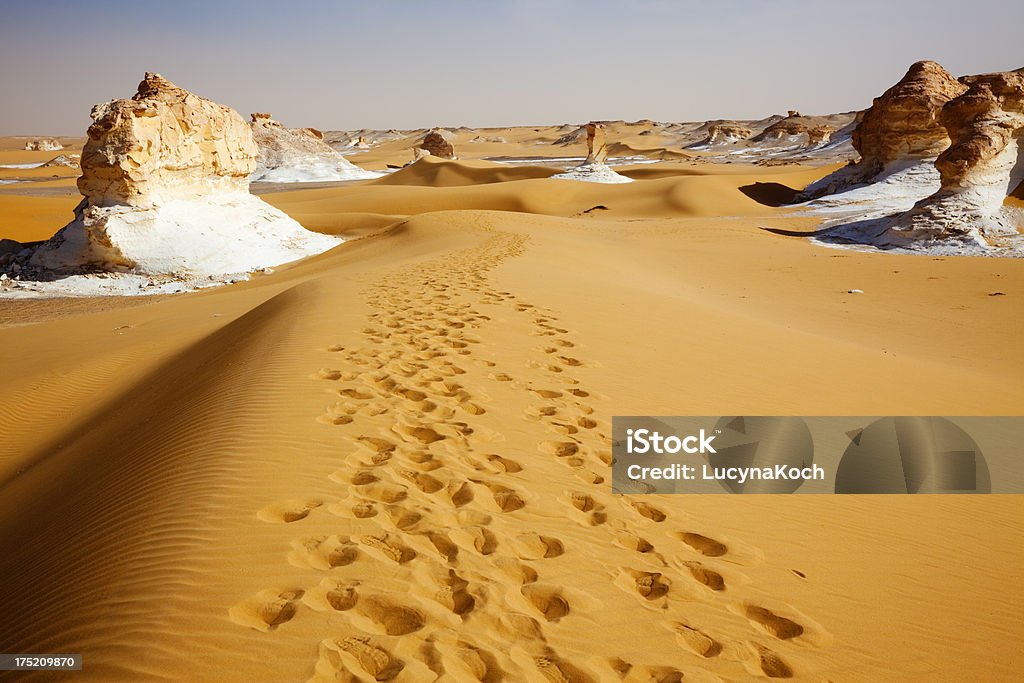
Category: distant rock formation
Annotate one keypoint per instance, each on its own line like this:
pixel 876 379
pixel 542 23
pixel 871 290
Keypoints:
pixel 435 144
pixel 901 129
pixel 573 136
pixel 819 135
pixel 165 179
pixel 597 153
pixel 594 169
pixel 44 145
pixel 296 155
pixel 725 133
pixel 795 129
pixel 984 164
pixel 68 160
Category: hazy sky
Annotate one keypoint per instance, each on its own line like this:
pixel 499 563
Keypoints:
pixel 338 64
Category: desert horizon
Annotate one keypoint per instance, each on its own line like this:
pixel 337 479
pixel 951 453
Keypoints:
pixel 292 399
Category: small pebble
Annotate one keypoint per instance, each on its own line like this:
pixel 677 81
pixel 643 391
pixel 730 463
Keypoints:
pixel 855 291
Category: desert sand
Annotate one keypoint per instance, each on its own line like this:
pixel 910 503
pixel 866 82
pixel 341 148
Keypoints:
pixel 390 461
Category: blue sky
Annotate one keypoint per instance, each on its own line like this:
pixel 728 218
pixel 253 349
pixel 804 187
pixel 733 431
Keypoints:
pixel 409 63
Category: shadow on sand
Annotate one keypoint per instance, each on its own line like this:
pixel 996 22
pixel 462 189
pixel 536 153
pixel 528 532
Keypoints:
pixel 770 194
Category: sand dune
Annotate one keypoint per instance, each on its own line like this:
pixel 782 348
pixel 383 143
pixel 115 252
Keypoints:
pixel 390 461
pixel 432 172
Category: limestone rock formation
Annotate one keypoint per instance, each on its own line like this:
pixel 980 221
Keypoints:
pixel 819 135
pixel 294 155
pixel 724 133
pixel 165 179
pixel 597 153
pixel 571 137
pixel 594 169
pixel 435 144
pixel 904 122
pixel 67 160
pixel 899 134
pixel 796 129
pixel 984 164
pixel 164 143
pixel 44 145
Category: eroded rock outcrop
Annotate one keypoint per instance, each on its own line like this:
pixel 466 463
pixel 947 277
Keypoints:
pixel 796 130
pixel 66 160
pixel 165 180
pixel 295 155
pixel 44 145
pixel 594 169
pixel 435 144
pixel 819 135
pixel 900 134
pixel 983 164
pixel 725 133
pixel 597 152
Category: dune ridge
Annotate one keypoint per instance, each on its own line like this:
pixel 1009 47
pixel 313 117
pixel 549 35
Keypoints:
pixel 403 449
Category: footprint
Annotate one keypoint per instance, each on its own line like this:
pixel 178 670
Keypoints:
pixel 377 445
pixel 558 671
pixel 364 510
pixel 266 610
pixel 560 449
pixel 382 491
pixel 476 537
pixel 355 394
pixel 516 570
pixel 459 492
pixel 548 600
pixel 504 464
pixel 423 435
pixel 403 519
pixel 383 546
pixel 332 595
pixel 463 661
pixel 323 552
pixel 695 639
pixel 633 542
pixel 360 656
pixel 704 545
pixel 582 501
pixel 359 477
pixel 449 590
pixel 547 393
pixel 390 616
pixel 288 511
pixel 768 662
pixel 445 547
pixel 423 481
pixel 648 585
pixel 533 546
pixel 507 500
pixel 776 625
pixel 471 408
pixel 332 419
pixel 708 577
pixel 649 511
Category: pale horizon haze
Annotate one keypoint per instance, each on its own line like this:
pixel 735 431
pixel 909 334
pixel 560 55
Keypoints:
pixel 396 64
